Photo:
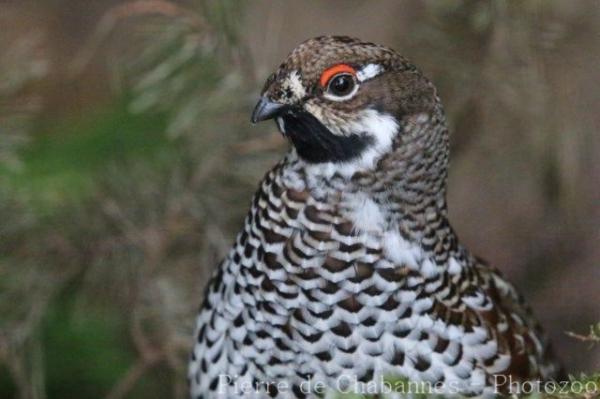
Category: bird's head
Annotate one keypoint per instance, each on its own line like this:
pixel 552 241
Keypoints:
pixel 343 101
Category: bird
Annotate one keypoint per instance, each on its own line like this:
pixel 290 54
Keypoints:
pixel 347 270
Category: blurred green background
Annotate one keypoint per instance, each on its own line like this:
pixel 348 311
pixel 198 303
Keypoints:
pixel 127 163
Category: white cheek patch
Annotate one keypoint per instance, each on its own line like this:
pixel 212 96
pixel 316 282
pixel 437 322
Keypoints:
pixel 381 127
pixel 369 71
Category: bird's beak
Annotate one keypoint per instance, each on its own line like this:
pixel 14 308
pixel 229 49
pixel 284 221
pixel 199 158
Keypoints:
pixel 265 109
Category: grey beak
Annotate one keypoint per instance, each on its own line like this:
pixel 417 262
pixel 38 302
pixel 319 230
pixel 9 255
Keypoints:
pixel 265 109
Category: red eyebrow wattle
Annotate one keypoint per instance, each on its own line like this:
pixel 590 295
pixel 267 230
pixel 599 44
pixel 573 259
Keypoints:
pixel 334 70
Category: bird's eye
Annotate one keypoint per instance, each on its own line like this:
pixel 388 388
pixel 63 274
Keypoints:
pixel 341 85
pixel 339 82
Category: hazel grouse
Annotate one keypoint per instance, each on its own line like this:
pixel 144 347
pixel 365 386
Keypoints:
pixel 347 270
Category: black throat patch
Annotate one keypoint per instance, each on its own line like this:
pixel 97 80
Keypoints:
pixel 316 144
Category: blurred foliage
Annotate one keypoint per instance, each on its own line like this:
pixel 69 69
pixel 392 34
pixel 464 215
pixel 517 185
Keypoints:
pixel 62 162
pixel 593 337
pixel 21 64
pixel 106 228
pixel 113 219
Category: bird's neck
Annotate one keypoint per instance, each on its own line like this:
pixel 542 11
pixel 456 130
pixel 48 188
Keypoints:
pixel 407 184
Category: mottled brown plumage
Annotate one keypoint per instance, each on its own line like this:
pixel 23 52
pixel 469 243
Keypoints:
pixel 347 264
